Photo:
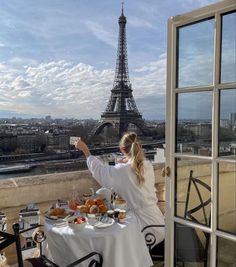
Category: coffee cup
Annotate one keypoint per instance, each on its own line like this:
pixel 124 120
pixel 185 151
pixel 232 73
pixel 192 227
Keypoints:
pixel 116 213
pixel 121 216
pixel 110 213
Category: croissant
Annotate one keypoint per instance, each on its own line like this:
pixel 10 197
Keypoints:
pixel 57 211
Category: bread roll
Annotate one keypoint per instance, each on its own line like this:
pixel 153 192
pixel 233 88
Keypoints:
pixel 90 202
pixel 94 209
pixel 102 208
pixel 98 201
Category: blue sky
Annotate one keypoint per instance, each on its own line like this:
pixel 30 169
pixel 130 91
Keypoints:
pixel 57 57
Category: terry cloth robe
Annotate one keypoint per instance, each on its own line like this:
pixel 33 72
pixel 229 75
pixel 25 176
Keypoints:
pixel 142 200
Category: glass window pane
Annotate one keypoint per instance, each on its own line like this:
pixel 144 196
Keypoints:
pixel 192 190
pixel 227 130
pixel 228 52
pixel 191 247
pixel 193 134
pixel 227 197
pixel 195 54
pixel 225 256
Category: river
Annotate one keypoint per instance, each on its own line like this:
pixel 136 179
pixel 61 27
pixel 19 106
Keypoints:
pixel 47 167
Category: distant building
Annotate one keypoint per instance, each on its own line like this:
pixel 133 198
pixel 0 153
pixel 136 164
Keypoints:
pixel 159 157
pixel 48 118
pixel 224 123
pixel 32 142
pixel 202 130
pixel 8 143
pixel 57 141
pixel 233 119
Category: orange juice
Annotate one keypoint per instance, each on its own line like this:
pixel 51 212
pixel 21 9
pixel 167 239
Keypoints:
pixel 73 203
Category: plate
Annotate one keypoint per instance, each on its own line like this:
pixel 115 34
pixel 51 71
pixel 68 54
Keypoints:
pixel 61 217
pixel 104 223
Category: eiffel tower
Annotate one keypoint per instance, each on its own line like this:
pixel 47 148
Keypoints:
pixel 121 109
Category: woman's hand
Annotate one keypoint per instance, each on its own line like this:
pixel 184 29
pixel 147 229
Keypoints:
pixel 80 145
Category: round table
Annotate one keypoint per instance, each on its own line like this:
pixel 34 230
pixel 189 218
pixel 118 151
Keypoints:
pixel 121 245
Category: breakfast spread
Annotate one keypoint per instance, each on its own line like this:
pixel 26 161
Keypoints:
pixel 94 211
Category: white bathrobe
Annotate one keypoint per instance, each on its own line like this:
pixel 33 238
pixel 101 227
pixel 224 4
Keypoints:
pixel 141 200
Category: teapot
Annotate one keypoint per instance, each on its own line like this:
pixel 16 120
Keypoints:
pixel 104 194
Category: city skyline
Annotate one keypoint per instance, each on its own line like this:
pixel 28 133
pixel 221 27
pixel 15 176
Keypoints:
pixel 55 55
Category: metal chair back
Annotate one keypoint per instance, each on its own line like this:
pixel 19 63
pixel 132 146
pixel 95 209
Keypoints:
pixel 189 246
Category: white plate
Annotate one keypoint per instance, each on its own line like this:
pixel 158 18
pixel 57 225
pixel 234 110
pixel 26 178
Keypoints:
pixel 58 218
pixel 106 223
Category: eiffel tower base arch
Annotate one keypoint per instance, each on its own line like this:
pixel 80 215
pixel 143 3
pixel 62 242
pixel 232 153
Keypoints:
pixel 122 127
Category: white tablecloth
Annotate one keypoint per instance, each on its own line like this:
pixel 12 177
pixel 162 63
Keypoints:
pixel 121 245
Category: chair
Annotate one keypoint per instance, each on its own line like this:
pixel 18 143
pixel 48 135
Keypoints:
pixel 41 261
pixel 3 219
pixel 3 227
pixel 188 244
pixel 157 251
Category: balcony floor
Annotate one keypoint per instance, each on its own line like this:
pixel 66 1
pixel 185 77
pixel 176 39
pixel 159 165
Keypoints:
pixel 157 264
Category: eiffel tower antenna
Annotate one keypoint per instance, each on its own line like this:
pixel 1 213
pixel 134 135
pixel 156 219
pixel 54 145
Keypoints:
pixel 121 109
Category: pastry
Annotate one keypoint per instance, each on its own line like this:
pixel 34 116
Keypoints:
pixel 94 209
pixel 89 202
pixel 98 201
pixel 83 209
pixel 102 208
pixel 57 211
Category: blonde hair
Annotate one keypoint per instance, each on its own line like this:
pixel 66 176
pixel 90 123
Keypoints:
pixel 132 147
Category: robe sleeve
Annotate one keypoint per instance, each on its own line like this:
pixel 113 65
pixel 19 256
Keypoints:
pixel 105 175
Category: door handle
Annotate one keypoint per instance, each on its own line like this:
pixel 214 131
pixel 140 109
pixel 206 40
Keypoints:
pixel 165 171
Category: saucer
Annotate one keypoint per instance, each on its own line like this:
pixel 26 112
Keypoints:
pixel 107 222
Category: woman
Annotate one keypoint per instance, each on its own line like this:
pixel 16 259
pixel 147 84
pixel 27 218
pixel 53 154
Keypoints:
pixel 133 179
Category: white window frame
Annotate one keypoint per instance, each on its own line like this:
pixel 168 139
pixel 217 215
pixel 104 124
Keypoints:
pixel 215 11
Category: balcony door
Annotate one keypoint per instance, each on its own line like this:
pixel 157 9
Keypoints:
pixel 201 138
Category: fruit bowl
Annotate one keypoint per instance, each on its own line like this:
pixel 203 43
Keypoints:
pixel 77 223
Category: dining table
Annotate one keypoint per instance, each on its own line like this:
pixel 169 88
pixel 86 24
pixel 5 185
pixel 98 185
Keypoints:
pixel 120 244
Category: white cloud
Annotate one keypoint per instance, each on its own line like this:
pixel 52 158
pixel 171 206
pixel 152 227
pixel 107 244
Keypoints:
pixel 64 89
pixel 59 88
pixel 102 33
pixel 138 22
pixel 196 3
pixel 151 79
pixel 149 8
